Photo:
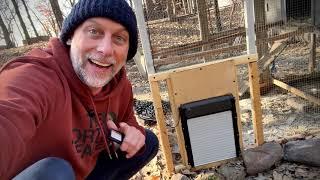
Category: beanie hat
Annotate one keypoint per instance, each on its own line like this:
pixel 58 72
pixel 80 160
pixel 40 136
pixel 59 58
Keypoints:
pixel 116 10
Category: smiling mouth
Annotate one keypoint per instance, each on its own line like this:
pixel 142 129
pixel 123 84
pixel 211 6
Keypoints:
pixel 99 64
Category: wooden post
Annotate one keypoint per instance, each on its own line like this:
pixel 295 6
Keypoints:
pixel 249 24
pixel 261 34
pixel 256 103
pixel 163 133
pixel 144 37
pixel 140 62
pixel 313 44
pixel 312 57
pixel 260 22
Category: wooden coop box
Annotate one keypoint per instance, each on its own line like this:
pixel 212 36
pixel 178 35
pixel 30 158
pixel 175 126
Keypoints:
pixel 204 100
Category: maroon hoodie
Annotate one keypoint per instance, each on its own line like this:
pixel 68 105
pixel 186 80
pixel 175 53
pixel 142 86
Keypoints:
pixel 46 111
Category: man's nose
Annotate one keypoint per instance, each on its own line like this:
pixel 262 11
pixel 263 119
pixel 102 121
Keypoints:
pixel 105 46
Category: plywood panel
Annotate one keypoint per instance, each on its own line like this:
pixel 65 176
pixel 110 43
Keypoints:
pixel 203 82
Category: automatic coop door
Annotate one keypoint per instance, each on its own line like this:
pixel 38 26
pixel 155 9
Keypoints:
pixel 210 130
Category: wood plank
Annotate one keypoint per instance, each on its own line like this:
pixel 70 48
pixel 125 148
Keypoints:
pixel 245 59
pixel 299 31
pixel 163 133
pixel 296 91
pixel 256 102
pixel 177 124
pixel 265 61
pixel 275 50
pixel 160 76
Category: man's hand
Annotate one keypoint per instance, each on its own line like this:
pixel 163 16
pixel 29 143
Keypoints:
pixel 133 140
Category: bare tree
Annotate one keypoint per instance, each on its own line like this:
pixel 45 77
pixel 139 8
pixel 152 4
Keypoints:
pixel 57 12
pixel 217 15
pixel 24 28
pixel 29 17
pixel 45 28
pixel 9 18
pixel 170 9
pixel 6 34
pixel 67 6
pixel 203 20
pixel 49 21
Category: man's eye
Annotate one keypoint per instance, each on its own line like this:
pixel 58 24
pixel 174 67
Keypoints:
pixel 93 31
pixel 120 39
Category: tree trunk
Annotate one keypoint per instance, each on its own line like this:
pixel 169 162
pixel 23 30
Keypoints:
pixel 6 34
pixel 57 12
pixel 170 9
pixel 29 17
pixel 4 15
pixel 151 6
pixel 260 22
pixel 203 20
pixel 261 34
pixel 24 28
pixel 217 15
pixel 42 24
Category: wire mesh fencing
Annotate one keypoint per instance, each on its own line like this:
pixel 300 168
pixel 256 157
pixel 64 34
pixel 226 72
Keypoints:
pixel 185 32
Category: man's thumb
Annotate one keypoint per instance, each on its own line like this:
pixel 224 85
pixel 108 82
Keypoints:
pixel 111 125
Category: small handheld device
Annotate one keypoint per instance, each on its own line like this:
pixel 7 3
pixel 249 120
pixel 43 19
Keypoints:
pixel 115 136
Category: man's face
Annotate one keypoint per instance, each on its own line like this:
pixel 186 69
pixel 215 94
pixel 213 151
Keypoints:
pixel 99 49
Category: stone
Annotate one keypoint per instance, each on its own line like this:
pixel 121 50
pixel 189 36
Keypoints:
pixel 179 177
pixel 209 176
pixel 262 158
pixel 303 151
pixel 277 175
pixel 232 172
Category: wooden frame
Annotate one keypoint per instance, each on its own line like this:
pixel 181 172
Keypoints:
pixel 181 91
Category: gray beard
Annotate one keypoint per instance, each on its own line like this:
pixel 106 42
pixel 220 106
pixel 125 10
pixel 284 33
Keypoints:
pixel 91 81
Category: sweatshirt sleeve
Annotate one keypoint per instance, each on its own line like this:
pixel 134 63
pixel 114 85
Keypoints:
pixel 23 106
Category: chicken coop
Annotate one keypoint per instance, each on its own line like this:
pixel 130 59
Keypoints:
pixel 273 46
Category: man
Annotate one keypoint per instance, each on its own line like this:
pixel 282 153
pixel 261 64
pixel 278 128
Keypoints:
pixel 59 105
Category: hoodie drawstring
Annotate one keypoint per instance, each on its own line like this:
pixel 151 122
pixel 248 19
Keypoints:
pixel 101 127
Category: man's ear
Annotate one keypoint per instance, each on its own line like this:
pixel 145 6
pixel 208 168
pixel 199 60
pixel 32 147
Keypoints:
pixel 68 42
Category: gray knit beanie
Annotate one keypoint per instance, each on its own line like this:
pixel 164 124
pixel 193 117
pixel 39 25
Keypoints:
pixel 116 10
